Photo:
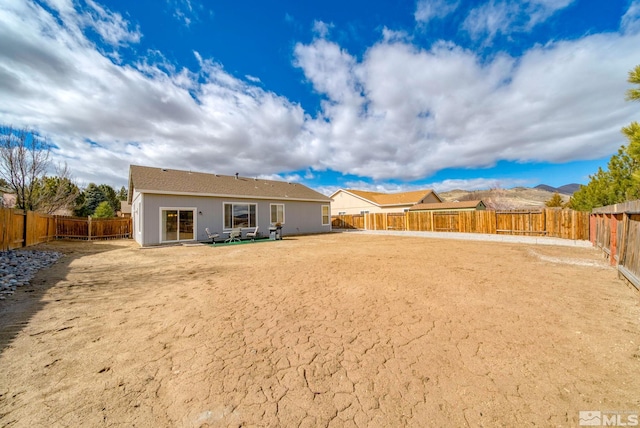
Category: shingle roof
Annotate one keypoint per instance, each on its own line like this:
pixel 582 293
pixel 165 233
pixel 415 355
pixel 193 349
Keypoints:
pixel 403 198
pixel 446 206
pixel 171 181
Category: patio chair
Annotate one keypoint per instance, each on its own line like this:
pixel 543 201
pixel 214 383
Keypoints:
pixel 234 235
pixel 211 236
pixel 253 234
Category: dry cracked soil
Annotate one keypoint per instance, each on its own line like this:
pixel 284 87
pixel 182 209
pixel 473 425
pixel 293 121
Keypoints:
pixel 335 330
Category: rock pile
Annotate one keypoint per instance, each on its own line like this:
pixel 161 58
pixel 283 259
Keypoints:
pixel 18 267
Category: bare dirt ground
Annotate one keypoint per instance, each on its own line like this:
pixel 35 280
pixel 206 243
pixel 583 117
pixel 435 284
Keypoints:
pixel 329 330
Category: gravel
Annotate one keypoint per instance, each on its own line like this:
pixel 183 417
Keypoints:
pixel 18 267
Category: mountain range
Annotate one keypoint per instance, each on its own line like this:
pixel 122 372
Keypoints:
pixel 567 189
pixel 515 198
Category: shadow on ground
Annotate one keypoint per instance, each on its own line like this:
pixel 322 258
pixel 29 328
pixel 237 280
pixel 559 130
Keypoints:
pixel 17 310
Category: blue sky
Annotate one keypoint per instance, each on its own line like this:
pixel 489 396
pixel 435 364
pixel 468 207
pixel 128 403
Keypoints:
pixel 375 95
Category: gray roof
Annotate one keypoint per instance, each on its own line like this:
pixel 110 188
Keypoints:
pixel 176 182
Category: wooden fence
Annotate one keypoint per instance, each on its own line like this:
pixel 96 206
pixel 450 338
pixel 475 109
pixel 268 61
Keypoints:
pixel 557 223
pixel 90 229
pixel 615 229
pixel 22 229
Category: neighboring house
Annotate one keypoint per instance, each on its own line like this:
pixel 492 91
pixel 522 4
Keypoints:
pixel 169 205
pixel 450 206
pixel 349 201
pixel 8 198
pixel 125 209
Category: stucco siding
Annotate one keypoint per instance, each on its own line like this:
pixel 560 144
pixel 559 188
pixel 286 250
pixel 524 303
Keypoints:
pixel 349 204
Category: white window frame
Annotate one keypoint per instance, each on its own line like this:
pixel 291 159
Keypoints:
pixel 322 215
pixel 271 212
pixel 194 210
pixel 224 210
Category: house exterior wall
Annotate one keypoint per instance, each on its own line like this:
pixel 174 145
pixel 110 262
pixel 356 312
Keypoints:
pixel 299 217
pixel 429 199
pixel 348 204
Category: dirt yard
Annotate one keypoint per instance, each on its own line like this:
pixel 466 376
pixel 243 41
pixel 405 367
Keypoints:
pixel 332 330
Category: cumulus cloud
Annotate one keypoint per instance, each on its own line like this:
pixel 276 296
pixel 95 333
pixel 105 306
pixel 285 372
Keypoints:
pixel 404 112
pixel 397 112
pixel 103 116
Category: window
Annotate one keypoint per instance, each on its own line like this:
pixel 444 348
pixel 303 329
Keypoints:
pixel 176 224
pixel 239 215
pixel 326 218
pixel 277 213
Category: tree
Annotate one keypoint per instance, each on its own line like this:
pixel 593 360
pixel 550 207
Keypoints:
pixel 53 193
pixel 93 195
pixel 104 210
pixel 110 196
pixel 633 94
pixel 24 160
pixel 123 194
pixel 555 201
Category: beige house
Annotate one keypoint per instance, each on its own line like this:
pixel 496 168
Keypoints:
pixel 450 206
pixel 350 201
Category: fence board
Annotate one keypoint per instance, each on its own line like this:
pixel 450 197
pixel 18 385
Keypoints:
pixel 630 259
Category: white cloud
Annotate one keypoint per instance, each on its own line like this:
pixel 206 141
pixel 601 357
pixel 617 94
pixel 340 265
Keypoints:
pixel 399 112
pixel 321 29
pixel 406 113
pixel 505 17
pixel 52 77
pixel 111 26
pixel 427 10
pixel 630 22
pixel 185 11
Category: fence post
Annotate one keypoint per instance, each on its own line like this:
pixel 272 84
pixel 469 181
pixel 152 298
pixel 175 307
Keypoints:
pixel 89 227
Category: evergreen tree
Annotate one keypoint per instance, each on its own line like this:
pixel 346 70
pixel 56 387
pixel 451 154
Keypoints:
pixel 104 210
pixel 110 196
pixel 555 201
pixel 93 195
pixel 123 194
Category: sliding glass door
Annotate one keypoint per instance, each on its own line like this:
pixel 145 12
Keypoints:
pixel 177 224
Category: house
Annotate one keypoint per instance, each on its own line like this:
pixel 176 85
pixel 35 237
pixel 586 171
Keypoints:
pixel 125 209
pixel 450 206
pixel 350 201
pixel 174 206
pixel 7 197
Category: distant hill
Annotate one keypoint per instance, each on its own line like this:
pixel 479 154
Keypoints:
pixel 567 189
pixel 506 199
